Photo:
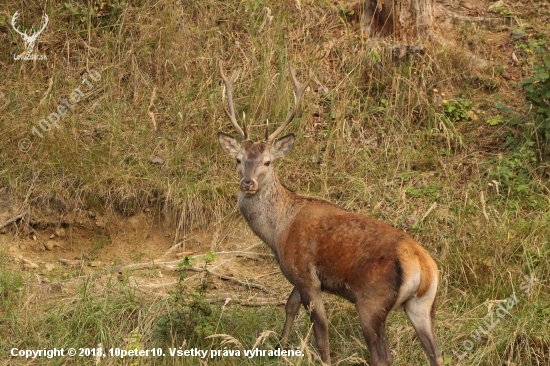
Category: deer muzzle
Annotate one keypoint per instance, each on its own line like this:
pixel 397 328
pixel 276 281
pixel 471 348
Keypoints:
pixel 248 186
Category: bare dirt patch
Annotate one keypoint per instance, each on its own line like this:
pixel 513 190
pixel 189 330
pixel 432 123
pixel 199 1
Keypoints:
pixel 142 251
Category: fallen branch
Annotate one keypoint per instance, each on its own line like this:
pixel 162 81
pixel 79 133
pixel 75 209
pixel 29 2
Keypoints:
pixel 488 22
pixel 71 262
pixel 176 246
pixel 156 285
pixel 227 298
pixel 13 219
pixel 169 266
pixel 221 264
pixel 172 265
pixel 248 302
pixel 239 253
pixel 26 210
pixel 26 263
pixel 228 278
pixel 220 298
pixel 213 268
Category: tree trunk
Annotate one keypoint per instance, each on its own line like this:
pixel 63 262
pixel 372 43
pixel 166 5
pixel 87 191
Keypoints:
pixel 398 18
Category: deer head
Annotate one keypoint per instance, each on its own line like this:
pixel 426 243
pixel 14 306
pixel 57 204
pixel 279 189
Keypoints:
pixel 254 158
pixel 29 40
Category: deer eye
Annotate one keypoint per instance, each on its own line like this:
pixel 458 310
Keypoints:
pixel 238 161
pixel 267 163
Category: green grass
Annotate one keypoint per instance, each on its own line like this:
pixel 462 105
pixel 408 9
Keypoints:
pixel 379 142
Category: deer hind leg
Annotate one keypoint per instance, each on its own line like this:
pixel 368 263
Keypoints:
pixel 313 302
pixel 421 313
pixel 373 325
pixel 292 307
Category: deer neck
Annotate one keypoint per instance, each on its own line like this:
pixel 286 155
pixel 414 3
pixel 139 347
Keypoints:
pixel 269 212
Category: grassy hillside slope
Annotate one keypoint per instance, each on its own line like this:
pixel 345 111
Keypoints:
pixel 442 144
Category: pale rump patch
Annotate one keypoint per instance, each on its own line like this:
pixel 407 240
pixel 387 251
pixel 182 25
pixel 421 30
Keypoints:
pixel 418 267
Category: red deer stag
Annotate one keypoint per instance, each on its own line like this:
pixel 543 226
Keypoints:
pixel 323 247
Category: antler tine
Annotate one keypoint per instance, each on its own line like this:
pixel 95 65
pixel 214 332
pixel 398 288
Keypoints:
pixel 229 92
pixel 13 19
pixel 46 20
pixel 298 91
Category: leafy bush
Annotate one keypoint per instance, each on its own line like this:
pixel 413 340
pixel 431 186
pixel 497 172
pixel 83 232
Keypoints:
pixel 513 171
pixel 457 109
pixel 189 313
pixel 537 92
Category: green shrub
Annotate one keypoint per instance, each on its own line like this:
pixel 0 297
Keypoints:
pixel 537 92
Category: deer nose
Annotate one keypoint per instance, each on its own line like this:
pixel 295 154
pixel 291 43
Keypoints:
pixel 247 184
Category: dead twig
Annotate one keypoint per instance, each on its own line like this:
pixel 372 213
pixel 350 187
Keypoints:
pixel 432 207
pixel 25 213
pixel 483 209
pixel 149 111
pixel 268 274
pixel 37 235
pixel 26 263
pixel 28 209
pixel 50 84
pixel 13 219
pixel 29 299
pixel 177 246
pixel 254 245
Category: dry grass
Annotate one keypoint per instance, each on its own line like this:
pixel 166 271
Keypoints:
pixel 373 136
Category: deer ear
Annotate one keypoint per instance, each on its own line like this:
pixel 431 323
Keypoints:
pixel 229 144
pixel 282 146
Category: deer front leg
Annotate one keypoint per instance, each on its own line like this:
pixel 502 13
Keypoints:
pixel 292 307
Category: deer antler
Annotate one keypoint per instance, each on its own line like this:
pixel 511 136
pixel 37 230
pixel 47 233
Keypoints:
pixel 229 92
pixel 25 35
pixel 46 20
pixel 13 19
pixel 29 40
pixel 298 91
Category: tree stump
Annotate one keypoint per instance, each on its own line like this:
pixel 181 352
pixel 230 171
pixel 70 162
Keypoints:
pixel 398 18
